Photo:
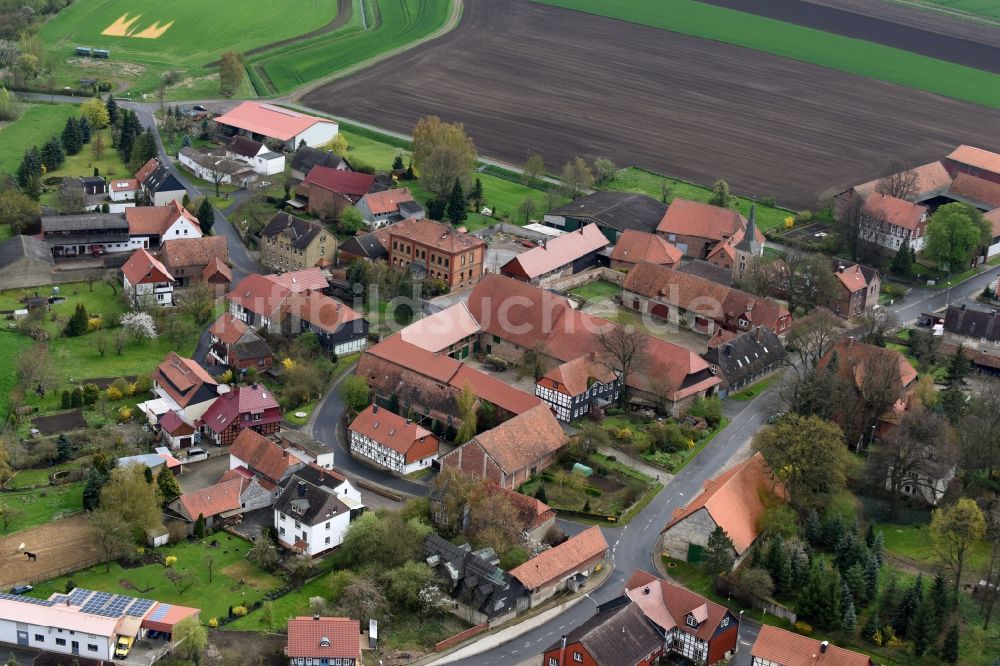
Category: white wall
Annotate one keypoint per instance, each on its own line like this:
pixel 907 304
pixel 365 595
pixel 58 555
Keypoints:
pixel 269 167
pixel 123 195
pixel 151 293
pixel 182 228
pixel 317 135
pixel 10 627
pixel 319 538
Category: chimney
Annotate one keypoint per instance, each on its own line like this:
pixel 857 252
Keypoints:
pixel 253 386
pixel 316 616
pixel 374 409
pixel 302 489
pixel 758 334
pixel 562 651
pixel 728 349
pixel 409 421
pixel 850 341
pixel 645 590
pixel 823 646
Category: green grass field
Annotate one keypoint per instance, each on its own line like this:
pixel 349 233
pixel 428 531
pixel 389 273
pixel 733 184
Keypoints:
pixel 197 33
pixel 83 163
pixel 804 44
pixel 402 21
pixel 213 596
pixel 635 179
pixel 37 123
pixel 598 290
pixel 40 506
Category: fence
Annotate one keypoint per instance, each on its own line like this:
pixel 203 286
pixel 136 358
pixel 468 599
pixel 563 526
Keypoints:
pixel 461 636
pixel 724 586
pixel 55 573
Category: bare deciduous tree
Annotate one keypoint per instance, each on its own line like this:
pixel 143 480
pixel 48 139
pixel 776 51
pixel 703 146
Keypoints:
pixel 626 347
pixel 900 183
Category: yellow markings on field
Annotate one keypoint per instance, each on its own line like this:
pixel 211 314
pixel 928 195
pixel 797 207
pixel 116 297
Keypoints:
pixel 126 27
pixel 121 27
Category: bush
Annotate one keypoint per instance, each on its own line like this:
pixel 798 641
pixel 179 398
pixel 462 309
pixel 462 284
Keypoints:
pixel 624 434
pixel 709 409
pixel 214 623
pixel 143 384
pixel 125 414
pixel 114 394
pixel 91 392
pixel 593 492
pixel 239 611
pixel 170 561
pixel 803 628
pixel 768 201
pixel 95 324
pixel 668 437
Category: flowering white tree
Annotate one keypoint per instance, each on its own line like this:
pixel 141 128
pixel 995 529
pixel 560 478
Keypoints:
pixel 139 325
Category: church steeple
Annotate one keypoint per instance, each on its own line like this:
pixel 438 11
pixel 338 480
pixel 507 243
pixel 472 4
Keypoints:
pixel 749 242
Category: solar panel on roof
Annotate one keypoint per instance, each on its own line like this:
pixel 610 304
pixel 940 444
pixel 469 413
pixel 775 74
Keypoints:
pixel 140 607
pixel 160 612
pixel 26 600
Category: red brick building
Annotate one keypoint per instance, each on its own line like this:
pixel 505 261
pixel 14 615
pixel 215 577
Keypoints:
pixel 329 191
pixel 696 228
pixel 619 636
pixel 438 251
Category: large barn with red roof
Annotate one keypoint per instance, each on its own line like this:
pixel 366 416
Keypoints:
pixel 260 121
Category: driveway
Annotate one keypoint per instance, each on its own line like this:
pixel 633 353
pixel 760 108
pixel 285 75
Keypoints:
pixel 203 474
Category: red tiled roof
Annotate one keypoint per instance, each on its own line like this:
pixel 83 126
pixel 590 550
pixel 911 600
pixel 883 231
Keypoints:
pixel 395 432
pixel 853 354
pixel 635 246
pixel 734 501
pixel 259 294
pixel 931 178
pixel 169 614
pixel 194 251
pixel 174 425
pixel 786 648
pixel 182 377
pixel 216 267
pixel 325 638
pixel 269 120
pixel 521 441
pixel 380 203
pixel 348 183
pixel 889 209
pixel 432 234
pixel 692 218
pixel 977 157
pixel 721 336
pixel 124 185
pixel 149 167
pixel 156 220
pixel 262 455
pixel 228 328
pixel 533 512
pixel 213 500
pixel 554 564
pixel 978 190
pixel 852 278
pixel 304 280
pixel 667 605
pixel 574 376
pixel 320 310
pixel 144 268
pixel 557 252
pixel 442 329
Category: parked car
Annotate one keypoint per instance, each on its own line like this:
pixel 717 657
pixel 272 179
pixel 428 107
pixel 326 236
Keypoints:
pixel 199 107
pixel 152 634
pixel 21 589
pixel 776 417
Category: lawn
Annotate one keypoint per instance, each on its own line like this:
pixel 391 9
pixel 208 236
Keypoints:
pixel 598 290
pixel 40 506
pixel 635 179
pixel 402 22
pixel 38 477
pixel 213 596
pixel 83 164
pixel 754 390
pixel 913 543
pixel 808 45
pixel 12 344
pixel 611 490
pixel 190 35
pixel 37 123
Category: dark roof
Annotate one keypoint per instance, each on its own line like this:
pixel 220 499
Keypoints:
pixel 251 347
pixel 703 269
pixel 302 232
pixel 161 180
pixel 93 179
pixel 244 146
pixel 973 323
pixel 306 443
pixel 471 579
pixel 410 208
pixel 620 635
pixel 326 479
pixel 21 247
pixel 747 354
pixel 367 246
pixel 618 210
pixel 60 659
pixel 84 222
pixel 306 158
pixel 308 503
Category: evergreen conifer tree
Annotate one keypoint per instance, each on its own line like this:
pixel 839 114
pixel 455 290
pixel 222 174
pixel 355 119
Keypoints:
pixel 949 652
pixel 871 576
pixel 112 106
pixel 779 566
pixel 457 204
pixel 922 628
pixel 872 625
pixel 814 528
pixel 206 216
pixel 77 324
pixel 907 610
pixel 902 263
pixel 848 615
pixel 53 155
pixel 719 551
pixel 85 130
pixel 854 578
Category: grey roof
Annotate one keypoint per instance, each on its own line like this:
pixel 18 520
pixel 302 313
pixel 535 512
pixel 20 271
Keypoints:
pixel 249 348
pixel 302 232
pixel 21 247
pixel 85 222
pixel 93 179
pixel 308 503
pixel 306 158
pixel 410 208
pixel 244 146
pixel 749 241
pixel 617 210
pixel 306 443
pixel 161 180
pixel 747 354
pixel 703 269
pixel 621 635
pixel 471 579
pixel 366 246
pixel 973 323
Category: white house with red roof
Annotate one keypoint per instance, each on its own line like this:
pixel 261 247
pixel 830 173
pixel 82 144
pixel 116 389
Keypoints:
pixel 392 441
pixel 381 208
pixel 888 221
pixel 323 641
pixel 149 226
pixel 146 282
pixel 566 566
pixel 571 389
pixel 181 385
pixel 124 189
pixel 242 408
pixel 778 647
pixel 570 253
pixel 261 121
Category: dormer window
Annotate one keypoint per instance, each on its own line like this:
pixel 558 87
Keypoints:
pixel 691 622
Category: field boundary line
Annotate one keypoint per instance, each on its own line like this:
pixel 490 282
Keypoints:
pixel 450 24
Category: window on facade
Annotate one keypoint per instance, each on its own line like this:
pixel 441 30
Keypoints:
pixel 553 661
pixel 60 641
pixel 328 525
pixel 297 525
pixel 577 657
pixel 691 622
pixel 40 638
pixel 281 530
pixel 725 622
pixel 91 647
pixel 327 541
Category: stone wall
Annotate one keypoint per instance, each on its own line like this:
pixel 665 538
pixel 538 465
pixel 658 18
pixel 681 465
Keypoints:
pixel 593 275
pixel 695 529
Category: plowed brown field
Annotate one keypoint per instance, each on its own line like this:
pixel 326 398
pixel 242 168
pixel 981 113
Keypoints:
pixel 526 77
